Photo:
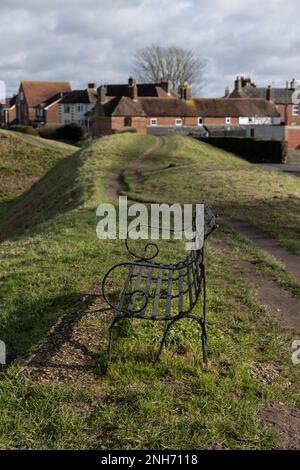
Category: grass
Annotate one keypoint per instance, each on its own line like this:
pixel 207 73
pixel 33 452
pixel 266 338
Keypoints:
pixel 24 159
pixel 51 254
pixel 265 198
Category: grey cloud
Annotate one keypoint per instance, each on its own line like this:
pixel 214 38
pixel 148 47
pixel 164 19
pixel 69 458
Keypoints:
pixel 88 40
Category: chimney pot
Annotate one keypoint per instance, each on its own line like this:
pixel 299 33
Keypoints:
pixel 269 93
pixel 185 91
pixel 133 89
pixel 102 91
pixel 238 83
pixel 91 85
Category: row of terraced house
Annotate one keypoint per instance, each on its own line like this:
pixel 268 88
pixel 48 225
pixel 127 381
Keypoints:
pixel 156 108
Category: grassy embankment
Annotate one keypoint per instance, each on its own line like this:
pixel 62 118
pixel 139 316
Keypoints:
pixel 56 255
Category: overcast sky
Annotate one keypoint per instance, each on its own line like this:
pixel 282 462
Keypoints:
pixel 94 40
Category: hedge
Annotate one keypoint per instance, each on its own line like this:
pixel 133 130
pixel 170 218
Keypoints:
pixel 24 129
pixel 253 150
pixel 72 132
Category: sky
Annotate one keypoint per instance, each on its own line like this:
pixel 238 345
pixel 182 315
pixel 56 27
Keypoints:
pixel 95 40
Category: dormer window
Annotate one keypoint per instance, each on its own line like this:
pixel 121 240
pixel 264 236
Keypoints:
pixel 127 121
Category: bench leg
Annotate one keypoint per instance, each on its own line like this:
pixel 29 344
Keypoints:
pixel 204 344
pixel 166 330
pixel 110 332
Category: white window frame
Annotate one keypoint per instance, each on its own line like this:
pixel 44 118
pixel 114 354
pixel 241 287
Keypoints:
pixel 67 108
pixel 178 122
pixel 153 121
pixel 295 110
pixel 200 121
pixel 228 120
pixel 79 108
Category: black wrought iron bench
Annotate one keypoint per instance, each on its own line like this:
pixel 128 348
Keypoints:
pixel 164 292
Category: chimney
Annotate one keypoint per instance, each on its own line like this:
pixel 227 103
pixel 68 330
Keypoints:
pixel 102 91
pixel 133 89
pixel 294 84
pixel 238 83
pixel 185 91
pixel 227 92
pixel 166 86
pixel 269 93
pixel 91 85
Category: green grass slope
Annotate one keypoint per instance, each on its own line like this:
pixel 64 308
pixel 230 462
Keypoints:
pixel 24 159
pixel 47 265
pixel 186 169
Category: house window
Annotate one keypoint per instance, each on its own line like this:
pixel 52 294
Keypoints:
pixel 67 108
pixel 127 121
pixel 295 110
pixel 40 112
pixel 228 120
pixel 79 108
pixel 153 122
pixel 178 122
pixel 252 132
pixel 200 121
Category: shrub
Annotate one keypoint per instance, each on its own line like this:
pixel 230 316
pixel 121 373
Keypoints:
pixel 71 132
pixel 68 133
pixel 253 150
pixel 24 129
pixel 48 132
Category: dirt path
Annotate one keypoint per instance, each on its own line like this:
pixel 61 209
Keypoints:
pixel 270 245
pixel 280 303
pixel 117 184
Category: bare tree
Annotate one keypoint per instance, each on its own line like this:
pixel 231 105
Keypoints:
pixel 155 63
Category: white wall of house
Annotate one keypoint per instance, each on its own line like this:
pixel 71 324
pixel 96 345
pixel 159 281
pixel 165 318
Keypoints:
pixel 259 121
pixel 74 113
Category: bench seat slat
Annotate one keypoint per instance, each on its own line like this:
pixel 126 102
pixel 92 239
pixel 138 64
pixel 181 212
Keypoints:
pixel 180 289
pixel 189 281
pixel 157 293
pixel 169 294
pixel 136 287
pixel 147 290
pixel 125 287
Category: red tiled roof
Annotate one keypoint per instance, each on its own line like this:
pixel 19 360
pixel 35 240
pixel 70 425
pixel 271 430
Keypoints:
pixel 37 92
pixel 123 106
pixel 235 107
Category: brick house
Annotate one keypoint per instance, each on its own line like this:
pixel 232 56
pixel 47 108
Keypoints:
pixel 37 102
pixel 156 109
pixel 76 106
pixel 8 112
pixel 282 98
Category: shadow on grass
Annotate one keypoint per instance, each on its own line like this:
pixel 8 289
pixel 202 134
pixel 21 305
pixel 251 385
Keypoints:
pixel 30 323
pixel 55 193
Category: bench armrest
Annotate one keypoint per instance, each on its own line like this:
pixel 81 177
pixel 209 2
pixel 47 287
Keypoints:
pixel 118 306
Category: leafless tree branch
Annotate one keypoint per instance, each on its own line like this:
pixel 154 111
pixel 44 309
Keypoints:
pixel 155 63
